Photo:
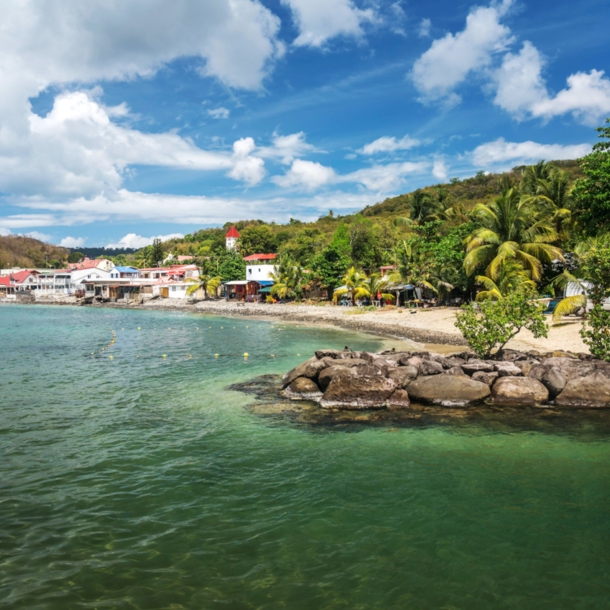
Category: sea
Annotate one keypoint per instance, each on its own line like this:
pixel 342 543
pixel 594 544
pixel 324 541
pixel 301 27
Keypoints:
pixel 132 476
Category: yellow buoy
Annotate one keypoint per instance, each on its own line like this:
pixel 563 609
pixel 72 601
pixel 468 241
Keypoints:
pixel 164 356
pixel 215 355
pixel 110 357
pixel 245 354
pixel 137 356
pixel 122 329
pixel 138 328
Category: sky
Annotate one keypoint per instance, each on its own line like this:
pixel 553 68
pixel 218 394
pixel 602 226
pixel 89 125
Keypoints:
pixel 126 120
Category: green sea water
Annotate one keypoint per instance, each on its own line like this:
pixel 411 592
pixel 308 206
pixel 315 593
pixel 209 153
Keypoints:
pixel 141 482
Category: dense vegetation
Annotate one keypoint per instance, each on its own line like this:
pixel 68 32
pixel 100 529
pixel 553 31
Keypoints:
pixel 20 251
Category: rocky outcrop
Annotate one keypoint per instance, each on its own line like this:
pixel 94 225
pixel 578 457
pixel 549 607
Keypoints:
pixel 393 380
pixel 519 391
pixel 591 392
pixel 448 390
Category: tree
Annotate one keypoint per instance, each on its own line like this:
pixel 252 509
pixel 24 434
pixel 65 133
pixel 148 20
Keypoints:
pixel 290 280
pixel 329 267
pixel 592 193
pixel 422 206
pixel 257 239
pixel 511 277
pixel 157 254
pixel 204 282
pixel 230 266
pixel 512 228
pixel 354 284
pixel 75 257
pixel 492 324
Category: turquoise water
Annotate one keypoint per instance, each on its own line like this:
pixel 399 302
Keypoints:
pixel 141 482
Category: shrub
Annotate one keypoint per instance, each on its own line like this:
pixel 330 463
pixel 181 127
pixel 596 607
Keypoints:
pixel 596 332
pixel 493 323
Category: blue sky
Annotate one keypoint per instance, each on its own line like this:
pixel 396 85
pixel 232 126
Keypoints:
pixel 123 121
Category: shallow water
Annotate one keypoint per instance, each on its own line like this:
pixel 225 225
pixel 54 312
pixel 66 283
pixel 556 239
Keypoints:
pixel 142 482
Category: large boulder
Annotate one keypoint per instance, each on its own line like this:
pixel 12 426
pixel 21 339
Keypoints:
pixel 303 388
pixel 591 392
pixel 430 367
pixel 474 366
pixel 553 381
pixel 448 390
pixel 507 369
pixel 328 374
pixel 403 375
pixel 362 388
pixel 456 370
pixel 335 354
pixel 519 391
pixel 486 378
pixel 398 400
pixel 310 369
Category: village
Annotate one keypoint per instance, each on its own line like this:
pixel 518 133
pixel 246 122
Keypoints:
pixel 100 280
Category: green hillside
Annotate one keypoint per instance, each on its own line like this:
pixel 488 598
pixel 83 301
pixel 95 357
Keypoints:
pixel 19 251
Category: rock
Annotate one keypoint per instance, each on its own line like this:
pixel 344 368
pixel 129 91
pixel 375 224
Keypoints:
pixel 486 378
pixel 591 392
pixel 448 390
pixel 303 388
pixel 325 377
pixel 397 356
pixel 430 367
pixel 399 400
pixel 553 381
pixel 362 388
pixel 512 355
pixel 444 362
pixel 335 354
pixel 310 369
pixel 403 375
pixel 561 354
pixel 507 369
pixel 456 370
pixel 474 366
pixel 414 361
pixel 525 366
pixel 456 361
pixel 519 391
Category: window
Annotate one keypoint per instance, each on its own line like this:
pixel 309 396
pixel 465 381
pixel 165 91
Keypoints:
pixel 173 289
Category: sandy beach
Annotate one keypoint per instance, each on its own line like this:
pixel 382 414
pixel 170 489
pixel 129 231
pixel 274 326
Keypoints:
pixel 427 326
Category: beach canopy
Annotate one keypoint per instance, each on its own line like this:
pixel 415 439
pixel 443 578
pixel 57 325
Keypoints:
pixel 264 290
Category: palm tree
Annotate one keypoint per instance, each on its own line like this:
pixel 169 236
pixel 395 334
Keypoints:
pixel 289 280
pixel 512 228
pixel 511 277
pixel 416 269
pixel 554 194
pixel 354 284
pixel 422 206
pixel 378 285
pixel 532 175
pixel 204 282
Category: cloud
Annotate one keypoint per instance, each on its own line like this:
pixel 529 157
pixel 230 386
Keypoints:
pixel 451 59
pixel 72 242
pixel 39 236
pixel 320 20
pixel 387 144
pixel 521 90
pixel 424 28
pixel 439 170
pixel 306 174
pixel 219 113
pixel 287 148
pixel 500 151
pixel 246 167
pixel 131 240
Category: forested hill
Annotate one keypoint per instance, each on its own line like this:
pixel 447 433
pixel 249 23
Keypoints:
pixel 301 240
pixel 19 251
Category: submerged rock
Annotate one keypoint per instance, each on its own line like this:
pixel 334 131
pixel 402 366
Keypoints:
pixel 360 388
pixel 303 388
pixel 448 390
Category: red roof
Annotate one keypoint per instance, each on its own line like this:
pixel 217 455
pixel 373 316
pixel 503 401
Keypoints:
pixel 86 264
pixel 233 232
pixel 5 280
pixel 260 257
pixel 21 276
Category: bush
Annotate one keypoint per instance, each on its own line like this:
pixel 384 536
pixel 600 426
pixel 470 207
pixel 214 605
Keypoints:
pixel 596 332
pixel 494 323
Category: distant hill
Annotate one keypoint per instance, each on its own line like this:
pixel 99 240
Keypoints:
pixel 19 251
pixel 103 252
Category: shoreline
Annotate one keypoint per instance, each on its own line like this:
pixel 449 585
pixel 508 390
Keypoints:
pixel 432 328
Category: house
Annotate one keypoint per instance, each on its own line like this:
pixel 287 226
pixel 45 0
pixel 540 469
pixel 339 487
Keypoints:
pixel 231 238
pixel 20 283
pixel 101 263
pixel 258 267
pixel 130 273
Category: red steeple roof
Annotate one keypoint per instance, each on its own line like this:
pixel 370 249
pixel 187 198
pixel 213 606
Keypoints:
pixel 233 233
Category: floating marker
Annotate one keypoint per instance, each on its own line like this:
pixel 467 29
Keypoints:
pixel 245 354
pixel 138 328
pixel 215 355
pixel 110 357
pixel 122 329
pixel 164 356
pixel 137 356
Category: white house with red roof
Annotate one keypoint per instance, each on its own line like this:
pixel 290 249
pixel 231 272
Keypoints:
pixel 99 263
pixel 24 282
pixel 231 238
pixel 259 267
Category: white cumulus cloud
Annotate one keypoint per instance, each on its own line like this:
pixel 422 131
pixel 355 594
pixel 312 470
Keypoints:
pixel 500 151
pixel 451 59
pixel 72 242
pixel 439 169
pixel 320 20
pixel 388 144
pixel 219 113
pixel 306 174
pixel 132 240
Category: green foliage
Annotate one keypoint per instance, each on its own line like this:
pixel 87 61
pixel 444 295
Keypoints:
pixel 592 193
pixel 494 323
pixel 596 270
pixel 75 257
pixel 231 266
pixel 329 267
pixel 257 240
pixel 290 280
pixel 596 332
